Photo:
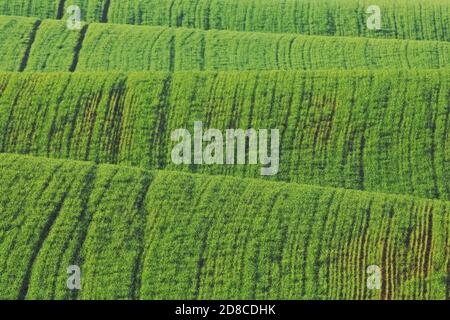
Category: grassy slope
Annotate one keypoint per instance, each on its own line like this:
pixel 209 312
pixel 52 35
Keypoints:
pixel 34 8
pixel 131 48
pixel 139 234
pixel 120 223
pixel 404 19
pixel 15 41
pixel 105 47
pixel 54 48
pixel 378 131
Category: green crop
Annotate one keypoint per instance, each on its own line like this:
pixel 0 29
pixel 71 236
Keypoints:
pixel 91 10
pixel 379 131
pixel 16 36
pixel 54 48
pixel 35 8
pixel 88 112
pixel 165 235
pixel 401 19
pixel 107 47
pixel 405 19
pixel 128 48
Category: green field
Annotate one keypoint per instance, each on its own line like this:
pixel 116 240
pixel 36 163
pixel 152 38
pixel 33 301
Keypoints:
pixel 379 131
pixel 152 235
pixel 35 8
pixel 401 19
pixel 15 40
pixel 87 119
pixel 108 47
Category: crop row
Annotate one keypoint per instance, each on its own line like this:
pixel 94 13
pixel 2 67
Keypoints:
pixel 165 235
pixel 382 131
pixel 32 45
pixel 402 19
pixel 15 41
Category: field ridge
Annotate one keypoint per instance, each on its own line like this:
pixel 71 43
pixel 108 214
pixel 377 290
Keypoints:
pixel 120 234
pixel 91 115
pixel 390 135
pixel 124 48
pixel 420 20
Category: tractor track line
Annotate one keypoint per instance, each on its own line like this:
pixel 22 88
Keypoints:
pixel 105 12
pixel 139 260
pixel 42 237
pixel 78 48
pixel 61 6
pixel 23 64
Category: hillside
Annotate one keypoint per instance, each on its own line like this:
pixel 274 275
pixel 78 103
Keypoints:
pixel 164 235
pixel 49 45
pixel 402 19
pixel 225 149
pixel 379 131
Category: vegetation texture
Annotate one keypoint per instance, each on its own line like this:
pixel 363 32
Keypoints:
pixel 86 169
pixel 16 37
pixel 153 235
pixel 35 8
pixel 379 131
pixel 108 47
pixel 402 19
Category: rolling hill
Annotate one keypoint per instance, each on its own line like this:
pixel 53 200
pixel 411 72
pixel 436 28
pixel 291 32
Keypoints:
pixel 166 235
pixel 48 45
pixel 382 131
pixel 401 19
pixel 87 123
